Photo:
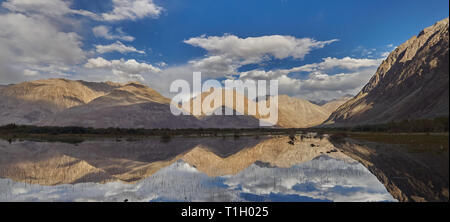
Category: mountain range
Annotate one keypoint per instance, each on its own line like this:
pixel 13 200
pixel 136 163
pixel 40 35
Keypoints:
pixel 63 102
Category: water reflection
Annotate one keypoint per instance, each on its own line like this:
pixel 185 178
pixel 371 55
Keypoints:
pixel 185 169
pixel 410 173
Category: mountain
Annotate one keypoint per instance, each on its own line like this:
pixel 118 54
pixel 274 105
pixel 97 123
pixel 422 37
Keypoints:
pixel 58 93
pixel 240 118
pixel 132 105
pixel 229 121
pixel 299 113
pixel 30 102
pixel 292 112
pixel 412 83
pixel 335 103
pixel 128 94
pixel 140 115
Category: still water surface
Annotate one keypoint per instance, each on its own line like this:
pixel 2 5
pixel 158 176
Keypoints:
pixel 185 169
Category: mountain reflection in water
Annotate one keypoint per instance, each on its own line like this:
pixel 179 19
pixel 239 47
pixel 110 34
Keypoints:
pixel 185 169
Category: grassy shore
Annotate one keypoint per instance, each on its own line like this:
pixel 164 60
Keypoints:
pixel 14 132
pixel 78 134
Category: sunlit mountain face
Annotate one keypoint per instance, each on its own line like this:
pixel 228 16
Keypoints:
pixel 246 169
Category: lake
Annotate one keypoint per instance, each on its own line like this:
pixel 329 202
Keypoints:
pixel 309 167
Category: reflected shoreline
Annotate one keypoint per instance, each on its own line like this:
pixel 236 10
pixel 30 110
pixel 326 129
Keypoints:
pixel 134 162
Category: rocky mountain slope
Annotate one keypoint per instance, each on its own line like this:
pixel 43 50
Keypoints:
pixel 412 83
pixel 58 93
pixel 335 103
pixel 299 113
pixel 30 102
pixel 132 105
pixel 292 112
pixel 237 120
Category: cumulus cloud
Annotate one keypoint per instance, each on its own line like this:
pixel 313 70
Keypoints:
pixel 132 10
pixel 343 63
pixel 329 63
pixel 225 54
pixel 161 64
pixel 28 72
pixel 103 31
pixel 256 49
pixel 124 69
pixel 35 43
pixel 122 9
pixel 31 40
pixel 215 66
pixel 52 8
pixel 117 46
pixel 319 84
pixel 39 38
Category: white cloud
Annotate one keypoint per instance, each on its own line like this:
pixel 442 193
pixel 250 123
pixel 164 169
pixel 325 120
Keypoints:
pixel 105 32
pixel 161 64
pixel 39 39
pixel 256 49
pixel 132 10
pixel 52 8
pixel 117 46
pixel 215 66
pixel 31 40
pixel 122 9
pixel 385 54
pixel 98 63
pixel 34 43
pixel 28 72
pixel 227 53
pixel 123 69
pixel 319 84
pixel 338 82
pixel 346 63
pixel 329 63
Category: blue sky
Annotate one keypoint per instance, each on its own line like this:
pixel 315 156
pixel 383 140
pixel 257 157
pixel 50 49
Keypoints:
pixel 165 40
pixel 357 24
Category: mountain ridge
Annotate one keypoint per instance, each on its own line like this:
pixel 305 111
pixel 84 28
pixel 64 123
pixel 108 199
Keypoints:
pixel 411 83
pixel 134 105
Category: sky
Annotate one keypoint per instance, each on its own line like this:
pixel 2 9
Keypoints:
pixel 317 50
